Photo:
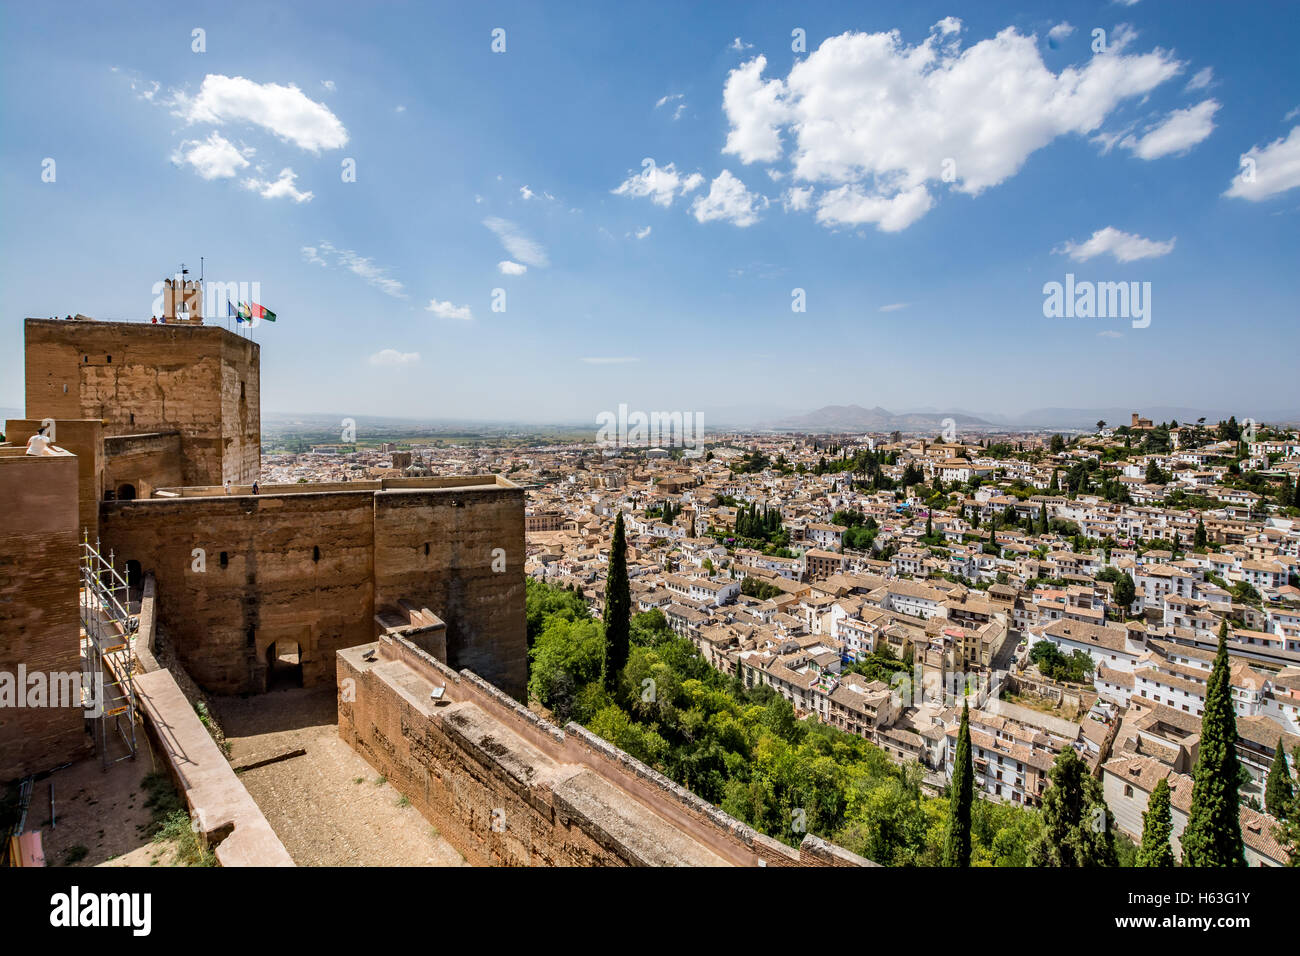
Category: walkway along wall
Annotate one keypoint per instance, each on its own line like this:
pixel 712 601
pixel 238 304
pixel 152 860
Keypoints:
pixel 505 787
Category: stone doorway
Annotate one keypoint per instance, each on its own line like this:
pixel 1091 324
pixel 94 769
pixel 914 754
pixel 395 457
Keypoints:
pixel 283 665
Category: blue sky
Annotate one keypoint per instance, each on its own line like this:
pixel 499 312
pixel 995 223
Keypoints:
pixel 821 170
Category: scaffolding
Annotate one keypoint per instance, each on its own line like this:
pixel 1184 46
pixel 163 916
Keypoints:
pixel 108 650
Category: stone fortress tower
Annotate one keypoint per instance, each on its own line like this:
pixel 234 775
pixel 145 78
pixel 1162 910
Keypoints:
pixel 160 415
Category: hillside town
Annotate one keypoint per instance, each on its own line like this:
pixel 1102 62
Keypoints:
pixel 1070 589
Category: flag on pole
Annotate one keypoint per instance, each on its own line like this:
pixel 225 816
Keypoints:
pixel 243 315
pixel 230 309
pixel 261 312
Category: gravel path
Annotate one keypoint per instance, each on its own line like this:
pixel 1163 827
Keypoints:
pixel 328 806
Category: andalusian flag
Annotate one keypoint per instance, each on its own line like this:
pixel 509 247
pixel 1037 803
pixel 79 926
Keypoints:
pixel 261 312
pixel 243 315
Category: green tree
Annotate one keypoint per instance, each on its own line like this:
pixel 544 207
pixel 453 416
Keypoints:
pixel 1278 792
pixel 1202 539
pixel 618 610
pixel 956 846
pixel 1213 833
pixel 1077 827
pixel 1157 826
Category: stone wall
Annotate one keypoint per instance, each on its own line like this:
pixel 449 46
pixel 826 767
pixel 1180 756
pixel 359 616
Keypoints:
pixel 270 569
pixel 505 787
pixel 85 439
pixel 39 623
pixel 311 567
pixel 144 462
pixel 201 381
pixel 460 552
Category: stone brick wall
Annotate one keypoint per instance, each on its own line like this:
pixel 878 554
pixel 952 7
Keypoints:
pixel 85 439
pixel 39 623
pixel 144 462
pixel 438 547
pixel 201 381
pixel 506 787
pixel 311 567
pixel 273 585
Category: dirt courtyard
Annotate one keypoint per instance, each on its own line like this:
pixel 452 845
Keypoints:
pixel 327 805
pixel 100 817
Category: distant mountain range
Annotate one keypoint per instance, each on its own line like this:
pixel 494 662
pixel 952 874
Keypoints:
pixel 854 418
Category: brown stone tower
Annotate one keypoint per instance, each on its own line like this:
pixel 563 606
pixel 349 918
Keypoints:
pixel 189 393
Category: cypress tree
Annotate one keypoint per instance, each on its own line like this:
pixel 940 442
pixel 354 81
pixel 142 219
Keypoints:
pixel 1042 518
pixel 618 610
pixel 1201 537
pixel 1278 792
pixel 956 846
pixel 1076 823
pixel 1157 826
pixel 1213 833
pixel 929 525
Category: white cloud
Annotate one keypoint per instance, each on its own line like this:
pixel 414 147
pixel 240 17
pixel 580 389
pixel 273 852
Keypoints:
pixel 853 206
pixel 1124 246
pixel 508 268
pixel 729 201
pixel 668 98
pixel 399 109
pixel 756 109
pixel 328 84
pixel 1201 80
pixel 661 183
pixel 874 118
pixel 362 266
pixel 1291 114
pixel 642 233
pixel 213 158
pixel 894 306
pixel 526 193
pixel 1177 132
pixel 312 256
pixel 445 310
pixel 1060 31
pixel 1269 170
pixel 392 357
pixel 283 110
pixel 282 188
pixel 610 360
pixel 739 44
pixel 517 244
pixel 797 198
